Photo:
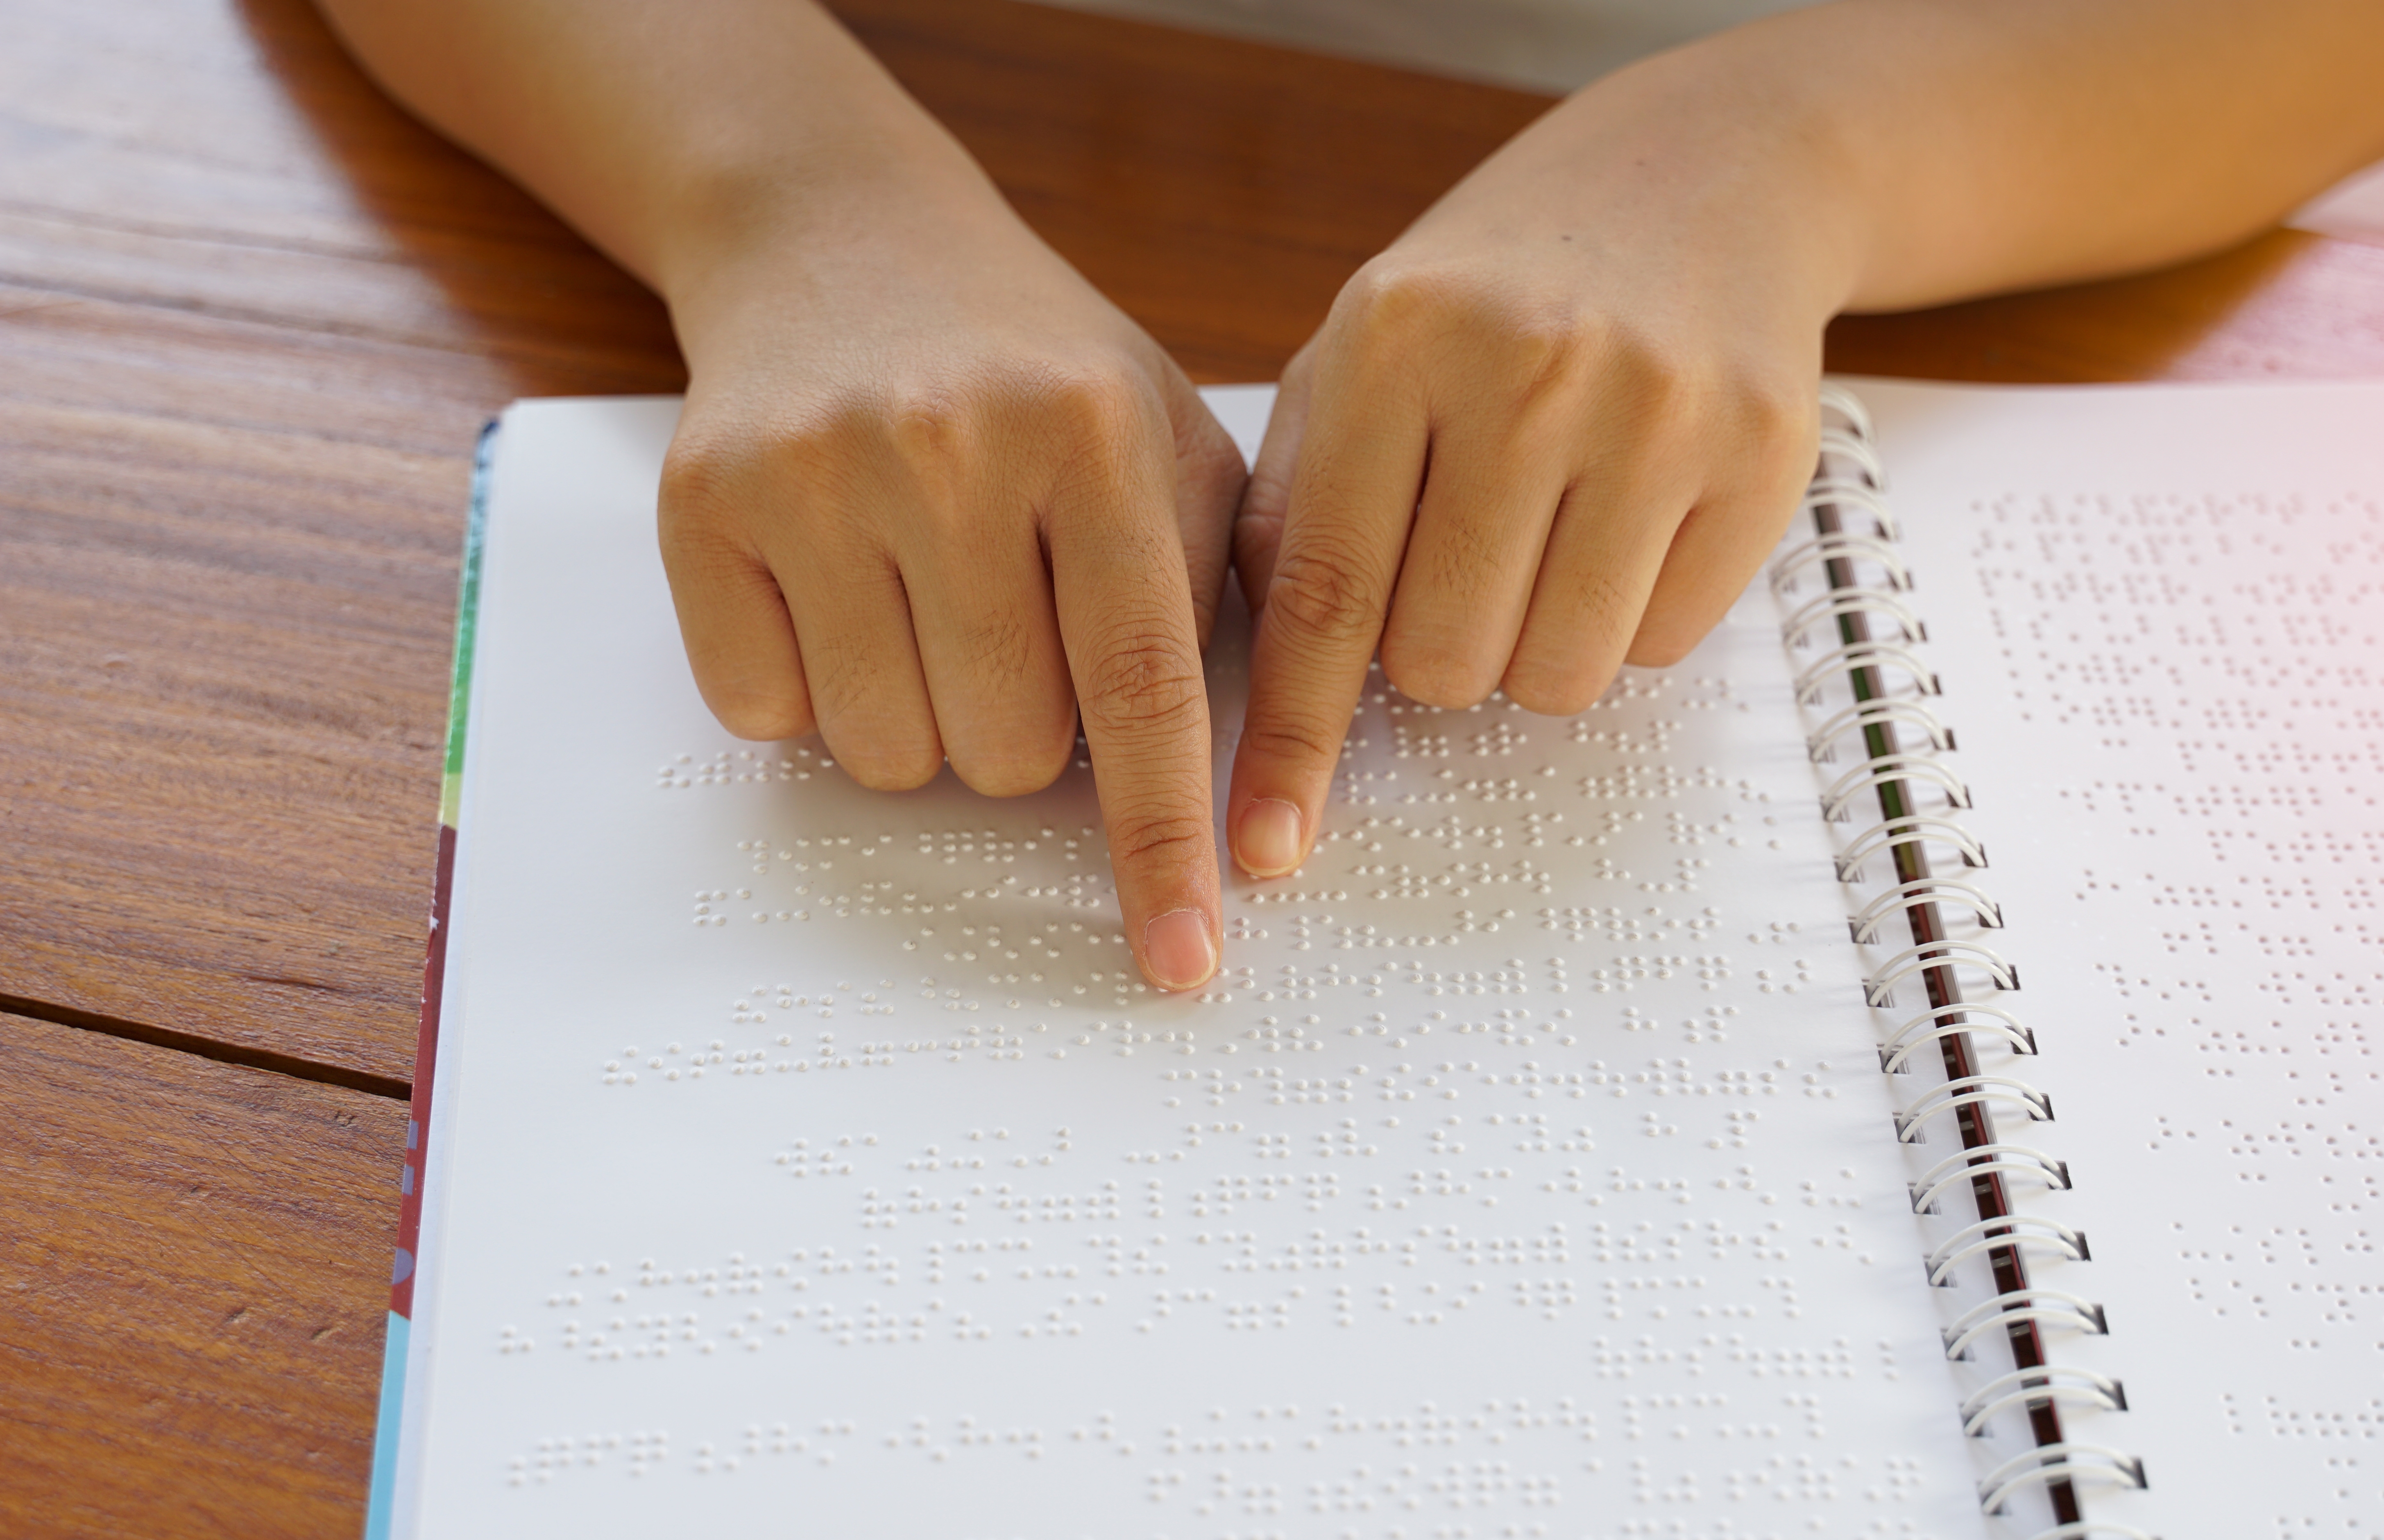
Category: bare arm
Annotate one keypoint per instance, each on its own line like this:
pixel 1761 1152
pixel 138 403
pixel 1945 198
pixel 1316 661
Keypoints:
pixel 1979 147
pixel 667 133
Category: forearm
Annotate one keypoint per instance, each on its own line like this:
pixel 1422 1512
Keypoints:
pixel 673 136
pixel 1941 149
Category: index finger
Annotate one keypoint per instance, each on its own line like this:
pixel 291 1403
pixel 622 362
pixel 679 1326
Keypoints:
pixel 1362 459
pixel 1127 621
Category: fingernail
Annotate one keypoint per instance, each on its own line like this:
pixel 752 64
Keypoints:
pixel 1176 948
pixel 1267 844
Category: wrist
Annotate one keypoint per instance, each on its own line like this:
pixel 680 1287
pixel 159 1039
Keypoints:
pixel 765 241
pixel 1745 160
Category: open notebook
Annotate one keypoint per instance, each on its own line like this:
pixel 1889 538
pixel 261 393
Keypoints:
pixel 1909 1069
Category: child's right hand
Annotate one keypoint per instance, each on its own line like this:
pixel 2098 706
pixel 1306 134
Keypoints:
pixel 933 496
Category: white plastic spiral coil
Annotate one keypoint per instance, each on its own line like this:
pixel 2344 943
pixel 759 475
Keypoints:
pixel 2049 1383
pixel 1872 629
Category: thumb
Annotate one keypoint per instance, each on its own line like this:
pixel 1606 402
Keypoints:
pixel 1266 500
pixel 1209 477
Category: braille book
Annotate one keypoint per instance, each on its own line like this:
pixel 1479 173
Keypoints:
pixel 1911 1069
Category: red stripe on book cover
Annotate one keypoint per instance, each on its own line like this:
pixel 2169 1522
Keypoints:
pixel 425 1054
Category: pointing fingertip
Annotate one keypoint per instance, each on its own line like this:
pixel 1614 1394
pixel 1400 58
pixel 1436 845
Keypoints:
pixel 1267 841
pixel 1177 951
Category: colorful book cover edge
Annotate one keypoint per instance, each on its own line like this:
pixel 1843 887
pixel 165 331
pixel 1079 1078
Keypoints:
pixel 389 1419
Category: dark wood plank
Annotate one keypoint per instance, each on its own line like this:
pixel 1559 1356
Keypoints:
pixel 252 316
pixel 1219 190
pixel 193 1283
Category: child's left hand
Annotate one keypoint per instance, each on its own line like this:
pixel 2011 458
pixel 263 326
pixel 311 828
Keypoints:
pixel 1555 427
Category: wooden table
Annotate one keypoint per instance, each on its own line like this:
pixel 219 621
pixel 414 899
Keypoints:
pixel 251 318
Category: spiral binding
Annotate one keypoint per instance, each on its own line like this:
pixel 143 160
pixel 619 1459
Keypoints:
pixel 1822 744
pixel 1943 1021
pixel 2023 1304
pixel 2062 1383
pixel 1879 989
pixel 1888 833
pixel 1920 890
pixel 1871 629
pixel 1837 803
pixel 1987 1233
pixel 2013 1161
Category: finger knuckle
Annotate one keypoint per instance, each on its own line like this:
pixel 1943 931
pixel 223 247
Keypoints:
pixel 933 439
pixel 1386 286
pixel 999 650
pixel 1391 298
pixel 1661 647
pixel 1770 411
pixel 1323 594
pixel 1257 534
pixel 1212 475
pixel 704 476
pixel 1605 611
pixel 1773 425
pixel 758 713
pixel 1546 347
pixel 1144 685
pixel 870 699
pixel 1155 838
pixel 1437 671
pixel 1558 680
pixel 1291 740
pixel 1103 407
pixel 1568 651
pixel 884 754
pixel 1649 387
pixel 1550 693
pixel 725 484
pixel 1013 770
pixel 1100 432
pixel 1468 559
pixel 930 421
pixel 891 769
pixel 1205 449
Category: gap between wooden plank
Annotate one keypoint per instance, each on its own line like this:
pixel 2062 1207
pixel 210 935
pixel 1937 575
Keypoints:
pixel 208 1047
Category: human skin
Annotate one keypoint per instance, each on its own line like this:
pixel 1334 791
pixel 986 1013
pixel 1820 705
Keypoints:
pixel 935 498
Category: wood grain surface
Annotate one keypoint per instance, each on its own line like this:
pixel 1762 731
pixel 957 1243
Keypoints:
pixel 251 317
pixel 250 320
pixel 194 1278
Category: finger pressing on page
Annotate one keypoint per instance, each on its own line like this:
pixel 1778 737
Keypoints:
pixel 1133 645
pixel 732 615
pixel 1326 595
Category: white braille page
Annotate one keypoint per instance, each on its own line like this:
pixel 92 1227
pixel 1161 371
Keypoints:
pixel 2157 616
pixel 810 1160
